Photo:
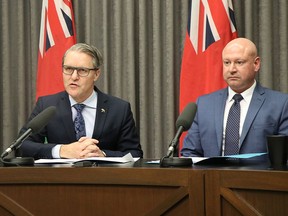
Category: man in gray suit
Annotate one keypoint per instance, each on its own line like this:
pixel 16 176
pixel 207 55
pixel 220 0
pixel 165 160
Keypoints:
pixel 107 125
pixel 263 111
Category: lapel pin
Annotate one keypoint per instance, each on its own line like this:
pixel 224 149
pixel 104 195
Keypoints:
pixel 103 110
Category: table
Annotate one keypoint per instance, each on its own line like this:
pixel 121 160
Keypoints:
pixel 144 189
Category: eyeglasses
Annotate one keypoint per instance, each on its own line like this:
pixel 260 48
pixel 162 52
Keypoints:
pixel 81 71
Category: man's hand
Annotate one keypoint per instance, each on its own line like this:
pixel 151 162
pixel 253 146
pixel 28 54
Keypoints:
pixel 85 147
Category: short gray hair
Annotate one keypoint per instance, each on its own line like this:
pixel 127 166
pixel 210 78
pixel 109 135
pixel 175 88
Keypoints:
pixel 97 59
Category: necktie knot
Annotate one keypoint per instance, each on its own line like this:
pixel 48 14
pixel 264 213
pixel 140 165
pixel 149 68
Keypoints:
pixel 79 107
pixel 237 98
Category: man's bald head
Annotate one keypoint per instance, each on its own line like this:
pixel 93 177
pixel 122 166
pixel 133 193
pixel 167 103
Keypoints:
pixel 243 43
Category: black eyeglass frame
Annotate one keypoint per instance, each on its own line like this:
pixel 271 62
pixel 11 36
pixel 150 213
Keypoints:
pixel 81 71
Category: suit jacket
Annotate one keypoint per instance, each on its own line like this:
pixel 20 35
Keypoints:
pixel 114 127
pixel 267 115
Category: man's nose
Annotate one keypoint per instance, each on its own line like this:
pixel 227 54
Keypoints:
pixel 232 67
pixel 75 75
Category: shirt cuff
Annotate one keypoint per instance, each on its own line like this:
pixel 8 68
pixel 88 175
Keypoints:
pixel 56 151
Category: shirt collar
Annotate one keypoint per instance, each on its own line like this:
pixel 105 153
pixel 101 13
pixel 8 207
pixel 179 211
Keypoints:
pixel 89 102
pixel 247 93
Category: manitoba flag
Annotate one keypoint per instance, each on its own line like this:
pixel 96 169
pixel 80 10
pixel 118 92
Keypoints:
pixel 211 25
pixel 57 34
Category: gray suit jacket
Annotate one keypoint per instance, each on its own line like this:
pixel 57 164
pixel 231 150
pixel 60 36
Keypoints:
pixel 267 114
pixel 114 127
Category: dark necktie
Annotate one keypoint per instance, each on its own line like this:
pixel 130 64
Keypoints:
pixel 232 127
pixel 79 122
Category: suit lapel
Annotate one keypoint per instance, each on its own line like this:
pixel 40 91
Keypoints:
pixel 219 115
pixel 257 100
pixel 66 116
pixel 101 113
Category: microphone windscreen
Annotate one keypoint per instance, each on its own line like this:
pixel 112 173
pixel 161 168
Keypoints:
pixel 42 119
pixel 186 118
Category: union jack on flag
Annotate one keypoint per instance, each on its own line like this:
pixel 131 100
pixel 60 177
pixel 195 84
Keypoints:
pixel 210 31
pixel 57 34
pixel 211 25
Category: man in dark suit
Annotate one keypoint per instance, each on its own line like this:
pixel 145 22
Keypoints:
pixel 263 111
pixel 108 127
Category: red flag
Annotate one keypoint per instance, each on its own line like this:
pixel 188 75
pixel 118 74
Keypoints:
pixel 211 26
pixel 57 34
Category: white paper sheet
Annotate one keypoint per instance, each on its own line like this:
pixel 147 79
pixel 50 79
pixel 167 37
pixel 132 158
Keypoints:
pixel 125 159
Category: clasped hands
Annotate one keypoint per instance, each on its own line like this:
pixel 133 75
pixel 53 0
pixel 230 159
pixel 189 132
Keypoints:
pixel 85 147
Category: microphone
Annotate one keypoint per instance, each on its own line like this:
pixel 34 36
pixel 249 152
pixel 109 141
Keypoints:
pixel 34 126
pixel 183 123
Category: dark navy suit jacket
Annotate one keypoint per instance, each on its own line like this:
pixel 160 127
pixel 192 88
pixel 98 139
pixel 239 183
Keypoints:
pixel 267 115
pixel 114 127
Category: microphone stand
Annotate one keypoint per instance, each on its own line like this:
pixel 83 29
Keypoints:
pixel 18 161
pixel 175 162
pixel 170 161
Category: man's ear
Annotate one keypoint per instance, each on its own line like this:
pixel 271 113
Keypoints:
pixel 97 74
pixel 257 63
